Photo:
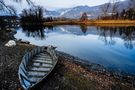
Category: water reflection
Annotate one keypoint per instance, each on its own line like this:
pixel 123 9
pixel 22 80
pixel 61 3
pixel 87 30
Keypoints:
pixel 106 34
pixel 112 47
pixel 126 33
pixel 83 28
pixel 36 31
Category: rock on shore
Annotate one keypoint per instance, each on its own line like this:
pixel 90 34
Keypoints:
pixel 10 43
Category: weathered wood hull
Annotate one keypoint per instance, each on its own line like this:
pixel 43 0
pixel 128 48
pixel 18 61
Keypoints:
pixel 36 65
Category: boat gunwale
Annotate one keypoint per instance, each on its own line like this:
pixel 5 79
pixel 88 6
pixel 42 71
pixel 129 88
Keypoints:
pixel 54 58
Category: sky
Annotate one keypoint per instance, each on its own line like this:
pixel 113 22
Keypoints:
pixel 50 4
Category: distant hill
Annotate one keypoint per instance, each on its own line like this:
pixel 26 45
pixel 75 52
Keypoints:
pixel 92 12
pixel 51 13
pixel 76 12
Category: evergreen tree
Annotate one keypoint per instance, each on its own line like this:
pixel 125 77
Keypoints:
pixel 84 17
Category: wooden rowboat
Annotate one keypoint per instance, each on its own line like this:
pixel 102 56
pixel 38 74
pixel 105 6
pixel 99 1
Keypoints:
pixel 36 65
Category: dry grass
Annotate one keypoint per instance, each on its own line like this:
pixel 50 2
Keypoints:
pixel 114 22
pixel 94 22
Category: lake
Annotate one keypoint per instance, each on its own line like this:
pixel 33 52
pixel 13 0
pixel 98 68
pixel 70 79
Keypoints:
pixel 112 47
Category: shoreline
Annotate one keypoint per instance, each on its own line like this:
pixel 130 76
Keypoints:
pixel 69 73
pixel 93 23
pixel 93 66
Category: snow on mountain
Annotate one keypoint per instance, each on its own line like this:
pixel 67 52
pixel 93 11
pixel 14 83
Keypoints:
pixel 66 11
pixel 92 12
pixel 51 13
pixel 76 12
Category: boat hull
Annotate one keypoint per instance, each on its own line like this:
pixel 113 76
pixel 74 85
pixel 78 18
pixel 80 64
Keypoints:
pixel 36 65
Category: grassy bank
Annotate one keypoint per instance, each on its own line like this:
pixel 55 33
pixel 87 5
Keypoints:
pixel 94 22
pixel 10 59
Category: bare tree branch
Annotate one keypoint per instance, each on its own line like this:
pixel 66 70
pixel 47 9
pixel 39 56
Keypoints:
pixel 105 8
pixel 10 9
pixel 115 5
pixel 132 3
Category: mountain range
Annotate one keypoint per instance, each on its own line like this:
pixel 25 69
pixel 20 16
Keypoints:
pixel 76 12
pixel 92 12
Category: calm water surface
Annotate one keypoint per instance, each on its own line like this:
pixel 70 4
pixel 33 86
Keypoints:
pixel 113 47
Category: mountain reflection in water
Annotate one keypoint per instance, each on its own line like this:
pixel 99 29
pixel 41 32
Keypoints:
pixel 113 47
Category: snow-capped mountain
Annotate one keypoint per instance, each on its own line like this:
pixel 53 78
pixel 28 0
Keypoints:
pixel 76 12
pixel 92 12
pixel 48 13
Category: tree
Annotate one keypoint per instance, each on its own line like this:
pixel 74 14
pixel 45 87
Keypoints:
pixel 116 15
pixel 110 10
pixel 9 8
pixel 84 17
pixel 105 8
pixel 130 14
pixel 123 14
pixel 132 4
pixel 115 4
pixel 32 15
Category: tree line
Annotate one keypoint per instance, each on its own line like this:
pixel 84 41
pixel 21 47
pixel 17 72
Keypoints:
pixel 125 14
pixel 113 12
pixel 32 15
